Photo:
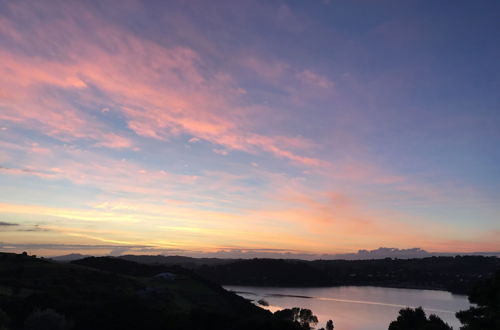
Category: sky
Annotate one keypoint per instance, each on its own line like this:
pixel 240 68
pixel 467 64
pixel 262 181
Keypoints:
pixel 299 126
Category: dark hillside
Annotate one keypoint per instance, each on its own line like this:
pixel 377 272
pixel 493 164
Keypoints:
pixel 103 293
pixel 188 288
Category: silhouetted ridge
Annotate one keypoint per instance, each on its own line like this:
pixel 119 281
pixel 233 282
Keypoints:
pixel 114 294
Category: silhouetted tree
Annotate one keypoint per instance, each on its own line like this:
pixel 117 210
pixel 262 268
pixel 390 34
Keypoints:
pixel 304 317
pixel 415 319
pixel 285 314
pixel 486 315
pixel 329 325
pixel 307 318
pixel 436 323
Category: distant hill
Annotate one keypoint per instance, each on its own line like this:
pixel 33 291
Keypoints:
pixel 192 259
pixel 70 257
pixel 186 262
pixel 110 293
pixel 413 253
pixel 456 274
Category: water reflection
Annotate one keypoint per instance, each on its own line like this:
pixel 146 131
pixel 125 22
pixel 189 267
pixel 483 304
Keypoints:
pixel 358 308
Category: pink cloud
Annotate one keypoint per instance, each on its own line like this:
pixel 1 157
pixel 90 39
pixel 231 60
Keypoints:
pixel 160 91
pixel 292 208
pixel 112 140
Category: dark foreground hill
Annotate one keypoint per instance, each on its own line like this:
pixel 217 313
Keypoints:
pixel 109 293
pixel 456 274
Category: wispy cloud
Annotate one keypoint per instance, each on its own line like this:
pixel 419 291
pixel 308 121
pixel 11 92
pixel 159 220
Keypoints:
pixel 7 224
pixel 159 91
pixel 246 127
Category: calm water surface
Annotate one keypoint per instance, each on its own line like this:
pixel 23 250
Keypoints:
pixel 358 308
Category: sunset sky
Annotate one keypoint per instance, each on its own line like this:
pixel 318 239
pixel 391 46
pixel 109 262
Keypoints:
pixel 272 126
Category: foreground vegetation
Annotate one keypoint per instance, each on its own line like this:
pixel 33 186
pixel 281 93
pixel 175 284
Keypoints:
pixel 484 315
